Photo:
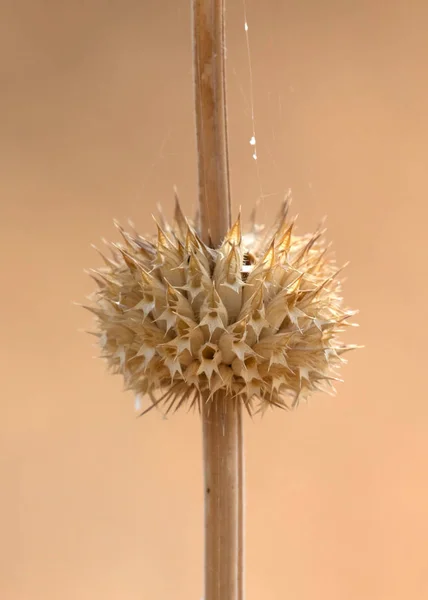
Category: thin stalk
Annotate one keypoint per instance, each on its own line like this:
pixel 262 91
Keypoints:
pixel 222 443
pixel 221 418
pixel 211 119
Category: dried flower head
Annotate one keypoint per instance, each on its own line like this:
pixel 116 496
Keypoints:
pixel 257 318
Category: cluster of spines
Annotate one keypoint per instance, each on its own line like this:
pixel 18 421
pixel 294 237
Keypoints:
pixel 256 319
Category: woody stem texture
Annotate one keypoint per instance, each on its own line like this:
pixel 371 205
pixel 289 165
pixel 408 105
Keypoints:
pixel 211 119
pixel 223 499
pixel 221 419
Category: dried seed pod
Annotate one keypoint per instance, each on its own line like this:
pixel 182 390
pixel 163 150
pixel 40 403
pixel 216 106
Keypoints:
pixel 259 317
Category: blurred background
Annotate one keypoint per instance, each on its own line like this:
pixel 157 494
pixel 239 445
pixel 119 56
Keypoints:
pixel 97 123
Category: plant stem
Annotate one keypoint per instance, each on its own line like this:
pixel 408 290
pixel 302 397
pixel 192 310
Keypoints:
pixel 211 119
pixel 221 418
pixel 222 440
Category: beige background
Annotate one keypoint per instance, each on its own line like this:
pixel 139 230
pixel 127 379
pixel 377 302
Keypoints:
pixel 96 122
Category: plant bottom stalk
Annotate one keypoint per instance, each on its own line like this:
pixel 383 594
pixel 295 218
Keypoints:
pixel 224 498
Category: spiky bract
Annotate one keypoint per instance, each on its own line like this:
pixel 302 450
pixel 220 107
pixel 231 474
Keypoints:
pixel 257 318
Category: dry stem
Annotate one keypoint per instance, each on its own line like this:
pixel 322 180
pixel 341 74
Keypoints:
pixel 222 430
pixel 222 426
pixel 211 119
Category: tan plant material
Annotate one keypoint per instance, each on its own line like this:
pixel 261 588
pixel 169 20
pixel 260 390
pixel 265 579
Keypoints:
pixel 258 318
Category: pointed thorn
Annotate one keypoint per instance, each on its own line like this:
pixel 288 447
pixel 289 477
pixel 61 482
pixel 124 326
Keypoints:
pixel 234 236
pixel 179 217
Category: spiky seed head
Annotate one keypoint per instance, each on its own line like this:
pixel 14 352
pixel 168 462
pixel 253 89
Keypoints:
pixel 257 318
